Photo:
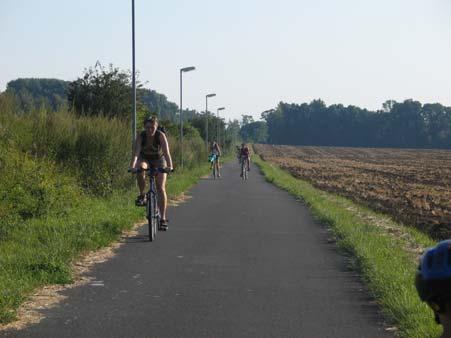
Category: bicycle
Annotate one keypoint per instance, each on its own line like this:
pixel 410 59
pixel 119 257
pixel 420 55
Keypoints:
pixel 244 171
pixel 152 211
pixel 213 158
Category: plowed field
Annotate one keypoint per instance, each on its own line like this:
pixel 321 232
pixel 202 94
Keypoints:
pixel 414 186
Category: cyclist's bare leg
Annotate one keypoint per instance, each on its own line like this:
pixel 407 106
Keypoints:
pixel 162 197
pixel 141 178
pixel 217 167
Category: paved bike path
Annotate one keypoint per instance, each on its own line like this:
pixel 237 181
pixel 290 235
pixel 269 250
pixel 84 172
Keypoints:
pixel 239 260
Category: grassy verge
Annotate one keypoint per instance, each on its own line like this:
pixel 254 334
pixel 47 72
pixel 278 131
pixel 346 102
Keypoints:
pixel 39 251
pixel 385 253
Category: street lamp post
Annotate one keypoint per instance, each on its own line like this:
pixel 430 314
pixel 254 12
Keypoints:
pixel 183 70
pixel 206 117
pixel 226 132
pixel 217 124
pixel 133 78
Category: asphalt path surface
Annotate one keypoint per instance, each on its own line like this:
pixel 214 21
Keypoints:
pixel 240 259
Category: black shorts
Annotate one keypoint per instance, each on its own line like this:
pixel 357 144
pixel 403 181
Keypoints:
pixel 159 163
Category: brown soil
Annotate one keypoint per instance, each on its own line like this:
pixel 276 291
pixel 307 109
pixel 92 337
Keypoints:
pixel 414 186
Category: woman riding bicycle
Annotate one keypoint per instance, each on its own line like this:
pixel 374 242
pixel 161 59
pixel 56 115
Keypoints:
pixel 216 152
pixel 238 153
pixel 152 150
pixel 245 155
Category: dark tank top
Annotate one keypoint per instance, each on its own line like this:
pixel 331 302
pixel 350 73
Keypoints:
pixel 151 146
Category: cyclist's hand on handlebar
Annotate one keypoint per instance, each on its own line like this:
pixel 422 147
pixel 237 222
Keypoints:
pixel 168 170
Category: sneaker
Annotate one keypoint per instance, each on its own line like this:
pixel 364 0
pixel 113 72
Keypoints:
pixel 164 225
pixel 140 201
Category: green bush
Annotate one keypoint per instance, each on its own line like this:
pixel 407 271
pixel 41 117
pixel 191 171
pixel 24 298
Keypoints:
pixel 31 187
pixel 102 153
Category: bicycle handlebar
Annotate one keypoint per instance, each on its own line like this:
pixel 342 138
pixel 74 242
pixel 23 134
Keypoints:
pixel 151 170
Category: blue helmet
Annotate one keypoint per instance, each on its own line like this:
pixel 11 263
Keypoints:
pixel 433 277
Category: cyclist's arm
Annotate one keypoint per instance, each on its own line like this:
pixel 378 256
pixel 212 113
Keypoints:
pixel 165 147
pixel 137 151
pixel 219 150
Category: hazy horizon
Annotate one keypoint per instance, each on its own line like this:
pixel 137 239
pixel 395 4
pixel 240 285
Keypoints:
pixel 252 54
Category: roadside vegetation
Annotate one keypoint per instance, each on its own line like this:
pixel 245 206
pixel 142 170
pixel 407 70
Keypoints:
pixel 383 251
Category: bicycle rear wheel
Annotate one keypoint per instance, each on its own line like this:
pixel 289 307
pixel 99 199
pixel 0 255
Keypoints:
pixel 243 170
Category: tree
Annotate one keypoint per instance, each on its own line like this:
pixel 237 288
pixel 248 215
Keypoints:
pixel 157 104
pixel 233 131
pixel 246 119
pixel 102 91
pixel 388 105
pixel 255 132
pixel 198 121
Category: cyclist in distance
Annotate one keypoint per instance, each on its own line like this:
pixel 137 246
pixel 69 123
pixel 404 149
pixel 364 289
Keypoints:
pixel 245 155
pixel 433 283
pixel 238 153
pixel 216 151
pixel 151 149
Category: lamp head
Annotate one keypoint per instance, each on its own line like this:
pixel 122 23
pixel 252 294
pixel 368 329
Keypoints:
pixel 187 69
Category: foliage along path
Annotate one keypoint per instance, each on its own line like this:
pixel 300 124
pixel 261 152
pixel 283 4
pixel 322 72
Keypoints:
pixel 241 259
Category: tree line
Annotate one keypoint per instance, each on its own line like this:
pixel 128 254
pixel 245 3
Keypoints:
pixel 100 90
pixel 106 92
pixel 407 124
pixel 253 131
pixel 31 93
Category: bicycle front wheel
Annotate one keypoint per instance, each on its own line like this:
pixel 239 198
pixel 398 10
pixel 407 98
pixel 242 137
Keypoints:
pixel 151 216
pixel 157 216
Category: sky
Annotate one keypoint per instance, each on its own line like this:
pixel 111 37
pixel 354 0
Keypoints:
pixel 252 53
